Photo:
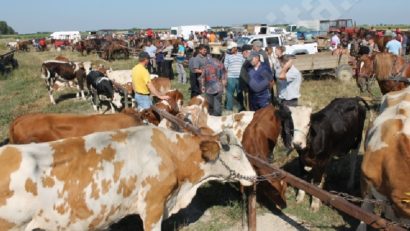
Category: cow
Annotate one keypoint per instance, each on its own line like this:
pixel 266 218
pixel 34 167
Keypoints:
pixel 90 182
pixel 103 91
pixel 258 132
pixel 54 71
pixel 200 101
pixel 36 128
pixel 260 138
pixel 334 131
pixel 49 127
pixel 385 167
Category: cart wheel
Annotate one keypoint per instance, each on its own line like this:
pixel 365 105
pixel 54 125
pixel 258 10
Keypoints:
pixel 344 72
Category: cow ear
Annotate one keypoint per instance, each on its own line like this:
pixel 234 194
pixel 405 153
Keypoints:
pixel 210 150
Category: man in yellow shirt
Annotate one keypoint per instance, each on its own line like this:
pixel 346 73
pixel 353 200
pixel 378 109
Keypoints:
pixel 141 82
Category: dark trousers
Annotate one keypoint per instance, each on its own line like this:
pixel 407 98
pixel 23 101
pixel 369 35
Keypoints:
pixel 168 71
pixel 160 68
pixel 195 88
pixel 215 103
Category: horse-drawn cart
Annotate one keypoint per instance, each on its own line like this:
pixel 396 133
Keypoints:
pixel 324 63
pixel 8 62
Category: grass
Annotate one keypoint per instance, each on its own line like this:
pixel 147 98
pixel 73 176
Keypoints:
pixel 23 91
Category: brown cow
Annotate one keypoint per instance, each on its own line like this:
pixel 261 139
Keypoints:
pixel 62 58
pixel 48 127
pixel 260 138
pixel 54 71
pixel 162 84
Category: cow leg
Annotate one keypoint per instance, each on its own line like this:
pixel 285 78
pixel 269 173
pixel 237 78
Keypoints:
pixel 315 205
pixel 353 160
pixel 319 180
pixel 49 84
pixel 366 205
pixel 112 108
pixel 300 196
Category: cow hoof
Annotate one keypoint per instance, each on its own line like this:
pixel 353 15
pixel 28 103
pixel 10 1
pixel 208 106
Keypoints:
pixel 300 197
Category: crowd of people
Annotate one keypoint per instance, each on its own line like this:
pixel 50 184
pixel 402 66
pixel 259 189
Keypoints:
pixel 247 78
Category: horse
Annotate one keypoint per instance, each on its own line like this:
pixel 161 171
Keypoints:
pixel 391 72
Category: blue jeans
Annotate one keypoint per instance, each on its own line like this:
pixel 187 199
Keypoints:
pixel 143 101
pixel 181 73
pixel 231 88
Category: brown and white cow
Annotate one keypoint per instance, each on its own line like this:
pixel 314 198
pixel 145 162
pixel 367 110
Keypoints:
pixel 88 183
pixel 386 163
pixel 54 71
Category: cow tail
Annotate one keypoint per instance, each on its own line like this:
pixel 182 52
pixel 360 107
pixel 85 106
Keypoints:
pixel 285 117
pixel 45 74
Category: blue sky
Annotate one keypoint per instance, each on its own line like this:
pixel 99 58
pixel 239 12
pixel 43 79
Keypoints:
pixel 27 16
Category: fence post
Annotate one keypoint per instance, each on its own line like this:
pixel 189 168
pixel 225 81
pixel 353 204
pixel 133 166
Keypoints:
pixel 252 208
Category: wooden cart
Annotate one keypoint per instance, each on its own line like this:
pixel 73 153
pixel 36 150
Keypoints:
pixel 324 63
pixel 8 62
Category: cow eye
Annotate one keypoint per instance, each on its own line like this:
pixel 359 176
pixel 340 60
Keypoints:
pixel 225 147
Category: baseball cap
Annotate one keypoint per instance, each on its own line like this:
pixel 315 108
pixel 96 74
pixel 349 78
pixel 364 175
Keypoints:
pixel 257 43
pixel 232 45
pixel 246 47
pixel 143 55
pixel 252 55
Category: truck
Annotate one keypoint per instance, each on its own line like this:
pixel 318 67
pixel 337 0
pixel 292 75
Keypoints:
pixel 274 40
pixel 185 31
pixel 66 35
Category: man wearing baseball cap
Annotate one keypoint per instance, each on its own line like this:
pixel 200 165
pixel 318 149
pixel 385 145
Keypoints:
pixel 141 82
pixel 233 64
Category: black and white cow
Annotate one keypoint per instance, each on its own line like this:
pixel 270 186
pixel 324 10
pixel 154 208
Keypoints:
pixel 57 72
pixel 334 131
pixel 102 91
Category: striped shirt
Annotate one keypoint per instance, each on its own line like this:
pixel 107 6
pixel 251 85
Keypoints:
pixel 233 64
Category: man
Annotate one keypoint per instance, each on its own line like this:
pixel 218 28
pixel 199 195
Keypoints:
pixel 213 81
pixel 394 46
pixel 151 50
pixel 335 41
pixel 233 64
pixel 180 63
pixel 244 76
pixel 196 66
pixel 141 82
pixel 257 47
pixel 289 78
pixel 260 82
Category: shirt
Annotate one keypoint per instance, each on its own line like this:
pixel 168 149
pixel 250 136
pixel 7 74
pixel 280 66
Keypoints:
pixel 212 75
pixel 151 50
pixel 140 78
pixel 233 64
pixel 335 40
pixel 198 62
pixel 394 46
pixel 289 88
pixel 181 54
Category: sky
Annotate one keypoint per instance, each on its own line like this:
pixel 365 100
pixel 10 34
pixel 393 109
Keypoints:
pixel 28 16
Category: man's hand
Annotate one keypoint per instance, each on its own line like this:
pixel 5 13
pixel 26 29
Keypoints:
pixel 203 89
pixel 282 76
pixel 164 97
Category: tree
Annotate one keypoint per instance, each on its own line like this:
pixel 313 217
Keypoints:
pixel 5 29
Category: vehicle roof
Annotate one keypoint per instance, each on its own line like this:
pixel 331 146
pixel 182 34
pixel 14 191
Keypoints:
pixel 261 35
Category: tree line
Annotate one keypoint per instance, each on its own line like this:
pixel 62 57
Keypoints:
pixel 6 29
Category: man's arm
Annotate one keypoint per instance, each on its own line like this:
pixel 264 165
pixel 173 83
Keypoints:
pixel 155 92
pixel 285 69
